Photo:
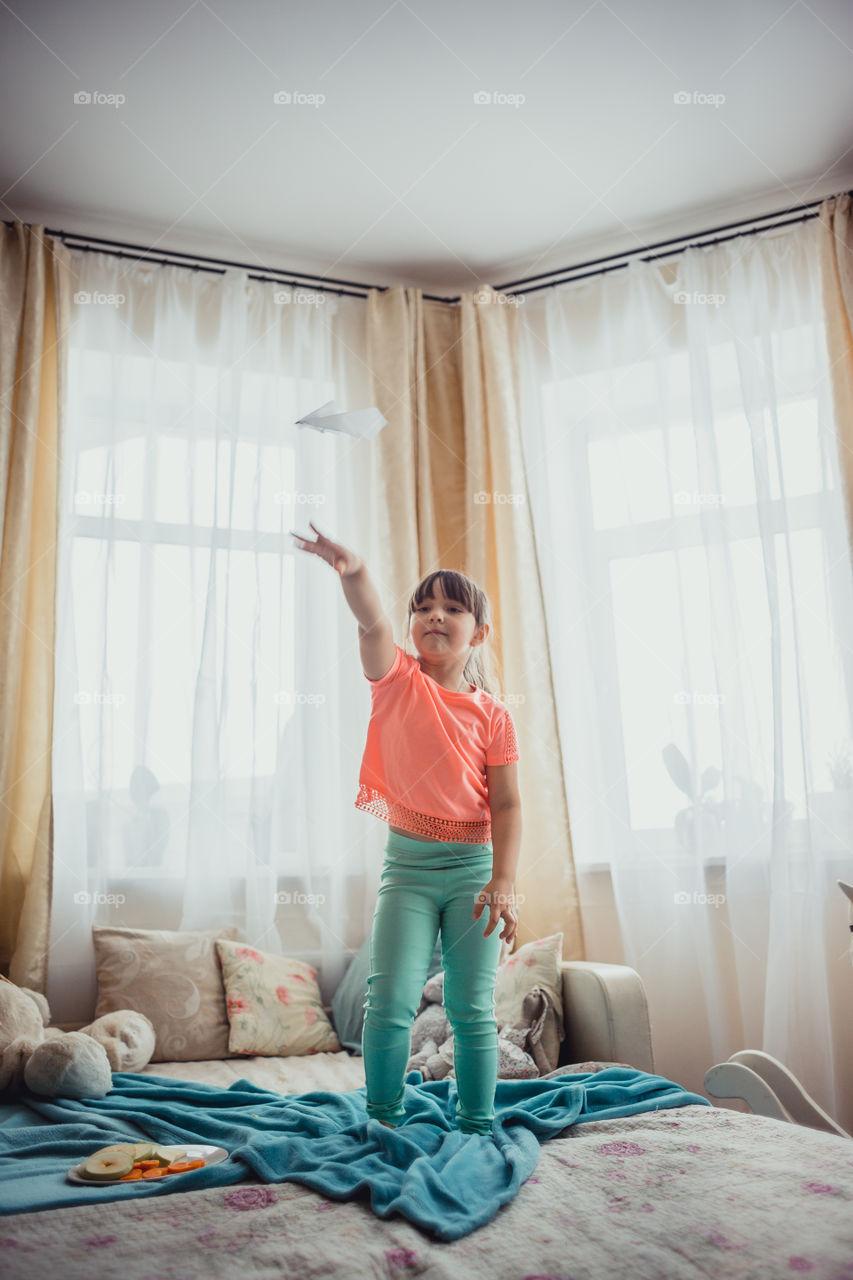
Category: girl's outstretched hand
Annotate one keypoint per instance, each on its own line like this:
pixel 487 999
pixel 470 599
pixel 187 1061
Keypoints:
pixel 339 557
pixel 498 896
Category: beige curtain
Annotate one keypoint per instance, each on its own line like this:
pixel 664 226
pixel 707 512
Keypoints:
pixel 34 309
pixel 835 238
pixel 446 378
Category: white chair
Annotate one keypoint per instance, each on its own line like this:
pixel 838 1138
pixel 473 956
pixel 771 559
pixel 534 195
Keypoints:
pixel 766 1086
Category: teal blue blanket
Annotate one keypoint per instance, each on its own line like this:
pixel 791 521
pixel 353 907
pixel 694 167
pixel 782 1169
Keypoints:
pixel 446 1182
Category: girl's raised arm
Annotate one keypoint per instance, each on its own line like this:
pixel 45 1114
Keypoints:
pixel 375 632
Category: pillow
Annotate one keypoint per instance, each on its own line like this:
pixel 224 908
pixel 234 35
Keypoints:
pixel 274 1004
pixel 348 1000
pixel 535 964
pixel 173 978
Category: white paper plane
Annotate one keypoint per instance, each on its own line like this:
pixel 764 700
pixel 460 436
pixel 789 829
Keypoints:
pixel 364 423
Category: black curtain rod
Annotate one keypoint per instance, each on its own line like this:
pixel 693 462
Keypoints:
pixel 198 262
pixel 645 255
pixel 564 275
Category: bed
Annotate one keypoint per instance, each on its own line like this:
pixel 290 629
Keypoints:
pixel 691 1190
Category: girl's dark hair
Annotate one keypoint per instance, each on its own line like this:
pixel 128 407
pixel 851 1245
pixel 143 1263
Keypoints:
pixel 480 667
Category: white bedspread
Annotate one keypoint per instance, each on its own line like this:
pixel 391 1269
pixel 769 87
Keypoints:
pixel 690 1192
pixel 303 1074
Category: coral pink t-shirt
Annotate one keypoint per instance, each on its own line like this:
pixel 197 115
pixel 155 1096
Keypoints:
pixel 424 764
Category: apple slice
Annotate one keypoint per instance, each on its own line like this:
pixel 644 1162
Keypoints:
pixel 168 1155
pixel 144 1151
pixel 106 1166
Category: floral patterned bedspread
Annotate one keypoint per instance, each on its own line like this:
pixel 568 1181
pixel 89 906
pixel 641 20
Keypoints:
pixel 674 1193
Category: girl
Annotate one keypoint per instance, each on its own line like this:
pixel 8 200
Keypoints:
pixel 439 764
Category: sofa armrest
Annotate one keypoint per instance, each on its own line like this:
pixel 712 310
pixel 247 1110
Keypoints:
pixel 606 1015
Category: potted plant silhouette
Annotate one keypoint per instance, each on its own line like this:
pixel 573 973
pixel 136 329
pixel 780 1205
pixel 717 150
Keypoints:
pixel 698 826
pixel 831 830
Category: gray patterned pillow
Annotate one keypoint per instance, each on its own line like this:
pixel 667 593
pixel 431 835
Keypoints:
pixel 175 979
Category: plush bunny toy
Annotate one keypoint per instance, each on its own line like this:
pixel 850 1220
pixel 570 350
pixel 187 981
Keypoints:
pixel 59 1064
pixel 526 1050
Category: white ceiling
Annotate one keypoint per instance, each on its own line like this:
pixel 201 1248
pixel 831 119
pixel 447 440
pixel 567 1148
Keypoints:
pixel 398 175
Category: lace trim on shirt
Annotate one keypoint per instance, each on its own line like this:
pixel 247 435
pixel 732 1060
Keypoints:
pixel 511 744
pixel 476 831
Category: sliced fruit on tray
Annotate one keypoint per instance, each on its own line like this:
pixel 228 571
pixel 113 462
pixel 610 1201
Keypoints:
pixel 128 1161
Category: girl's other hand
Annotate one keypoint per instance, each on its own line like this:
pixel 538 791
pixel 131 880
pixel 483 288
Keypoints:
pixel 343 561
pixel 498 896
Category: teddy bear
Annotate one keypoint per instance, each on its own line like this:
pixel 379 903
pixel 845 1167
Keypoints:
pixel 526 1050
pixel 73 1064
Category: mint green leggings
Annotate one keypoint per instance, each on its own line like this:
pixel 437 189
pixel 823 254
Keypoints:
pixel 426 887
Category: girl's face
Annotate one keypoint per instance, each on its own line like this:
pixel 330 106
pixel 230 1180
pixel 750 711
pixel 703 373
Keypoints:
pixel 442 628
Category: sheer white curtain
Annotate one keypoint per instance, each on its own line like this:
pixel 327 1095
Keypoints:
pixel 683 465
pixel 210 706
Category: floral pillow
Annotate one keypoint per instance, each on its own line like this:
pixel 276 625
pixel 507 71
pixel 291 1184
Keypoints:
pixel 274 1004
pixel 535 964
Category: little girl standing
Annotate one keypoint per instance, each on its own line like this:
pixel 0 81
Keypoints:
pixel 439 763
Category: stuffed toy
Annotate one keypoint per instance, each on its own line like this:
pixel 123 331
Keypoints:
pixel 525 1051
pixel 60 1064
